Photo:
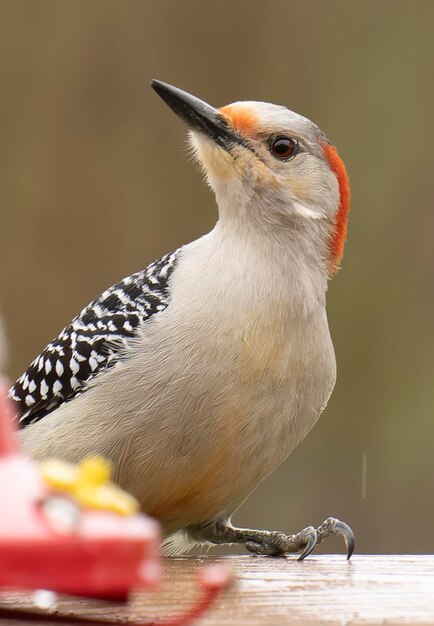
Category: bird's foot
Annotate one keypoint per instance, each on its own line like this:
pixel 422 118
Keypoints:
pixel 275 543
pixel 279 544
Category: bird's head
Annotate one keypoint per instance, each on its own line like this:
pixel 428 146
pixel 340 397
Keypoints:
pixel 268 164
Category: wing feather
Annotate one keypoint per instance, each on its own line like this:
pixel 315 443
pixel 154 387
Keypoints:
pixel 94 341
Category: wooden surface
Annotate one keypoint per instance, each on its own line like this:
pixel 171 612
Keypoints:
pixel 321 590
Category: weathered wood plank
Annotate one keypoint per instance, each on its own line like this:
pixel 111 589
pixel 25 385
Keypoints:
pixel 279 592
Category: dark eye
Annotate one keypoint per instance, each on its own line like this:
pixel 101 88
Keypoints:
pixel 283 147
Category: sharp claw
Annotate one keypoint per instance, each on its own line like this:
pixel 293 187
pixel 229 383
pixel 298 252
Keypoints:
pixel 348 535
pixel 310 546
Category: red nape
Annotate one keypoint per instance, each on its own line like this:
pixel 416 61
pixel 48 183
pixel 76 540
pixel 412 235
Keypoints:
pixel 340 230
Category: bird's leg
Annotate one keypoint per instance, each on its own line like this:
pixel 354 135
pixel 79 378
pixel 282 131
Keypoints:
pixel 273 543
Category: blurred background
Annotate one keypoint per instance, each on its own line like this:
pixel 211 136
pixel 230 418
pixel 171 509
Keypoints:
pixel 95 183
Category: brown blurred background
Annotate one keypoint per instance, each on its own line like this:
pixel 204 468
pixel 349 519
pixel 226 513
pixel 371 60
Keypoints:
pixel 95 183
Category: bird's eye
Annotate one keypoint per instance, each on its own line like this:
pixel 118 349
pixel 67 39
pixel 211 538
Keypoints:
pixel 283 147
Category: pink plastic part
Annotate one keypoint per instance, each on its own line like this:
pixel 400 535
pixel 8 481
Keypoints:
pixel 8 440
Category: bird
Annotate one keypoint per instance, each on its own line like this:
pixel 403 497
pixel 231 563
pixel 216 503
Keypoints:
pixel 197 376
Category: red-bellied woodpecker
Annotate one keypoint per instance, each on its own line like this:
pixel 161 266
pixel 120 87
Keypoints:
pixel 199 375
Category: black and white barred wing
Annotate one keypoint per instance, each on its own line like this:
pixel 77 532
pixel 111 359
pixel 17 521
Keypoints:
pixel 92 342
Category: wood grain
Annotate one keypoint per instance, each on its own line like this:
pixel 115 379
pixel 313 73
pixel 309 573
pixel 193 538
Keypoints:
pixel 321 590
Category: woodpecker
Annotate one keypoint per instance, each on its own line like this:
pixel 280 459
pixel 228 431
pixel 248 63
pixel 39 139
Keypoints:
pixel 198 375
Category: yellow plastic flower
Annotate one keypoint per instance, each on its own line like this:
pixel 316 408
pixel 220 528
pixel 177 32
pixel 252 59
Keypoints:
pixel 89 484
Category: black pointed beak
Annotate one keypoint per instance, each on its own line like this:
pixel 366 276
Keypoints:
pixel 198 115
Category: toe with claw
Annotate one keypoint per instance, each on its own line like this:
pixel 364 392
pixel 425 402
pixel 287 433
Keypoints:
pixel 312 540
pixel 332 526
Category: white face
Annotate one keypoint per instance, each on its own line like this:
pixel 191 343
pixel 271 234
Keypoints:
pixel 270 169
pixel 282 164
